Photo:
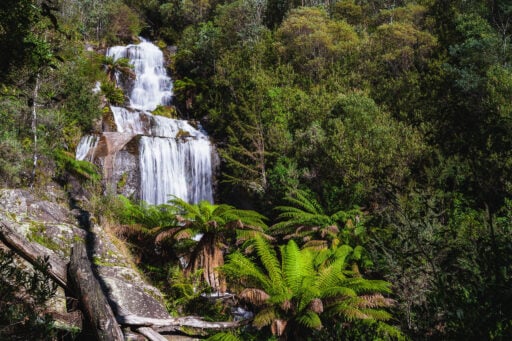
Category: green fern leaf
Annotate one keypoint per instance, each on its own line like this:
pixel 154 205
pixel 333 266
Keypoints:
pixel 265 317
pixel 310 319
pixel 223 337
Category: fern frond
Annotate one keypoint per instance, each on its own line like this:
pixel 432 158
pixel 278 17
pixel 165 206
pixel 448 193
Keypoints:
pixel 377 314
pixel 316 245
pixel 248 235
pixel 362 286
pixel 338 291
pixel 292 265
pixel 305 202
pixel 342 252
pixel 240 267
pixel 347 311
pixel 185 233
pixel 270 262
pixel 310 319
pixel 165 234
pixel 265 317
pixel 223 337
pixel 374 301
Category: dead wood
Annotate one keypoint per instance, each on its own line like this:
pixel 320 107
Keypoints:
pixel 94 303
pixel 31 252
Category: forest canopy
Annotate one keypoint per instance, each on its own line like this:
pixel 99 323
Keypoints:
pixel 396 113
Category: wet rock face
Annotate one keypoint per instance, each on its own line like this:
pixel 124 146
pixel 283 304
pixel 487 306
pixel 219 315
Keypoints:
pixel 126 178
pixel 117 154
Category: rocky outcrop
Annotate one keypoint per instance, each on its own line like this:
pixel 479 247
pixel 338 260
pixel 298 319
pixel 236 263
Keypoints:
pixel 99 265
pixel 127 291
pixel 51 229
pixel 45 222
pixel 117 155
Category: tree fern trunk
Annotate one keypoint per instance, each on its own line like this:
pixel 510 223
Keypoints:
pixel 208 256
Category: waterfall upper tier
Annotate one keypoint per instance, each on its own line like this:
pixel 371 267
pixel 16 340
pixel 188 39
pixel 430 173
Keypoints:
pixel 151 157
pixel 152 86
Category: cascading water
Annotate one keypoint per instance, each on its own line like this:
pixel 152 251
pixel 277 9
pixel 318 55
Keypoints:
pixel 87 144
pixel 175 158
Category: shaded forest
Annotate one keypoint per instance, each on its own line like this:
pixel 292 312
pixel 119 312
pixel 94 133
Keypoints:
pixel 365 183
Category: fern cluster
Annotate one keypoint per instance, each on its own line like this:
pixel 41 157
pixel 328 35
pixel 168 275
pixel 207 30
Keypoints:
pixel 295 290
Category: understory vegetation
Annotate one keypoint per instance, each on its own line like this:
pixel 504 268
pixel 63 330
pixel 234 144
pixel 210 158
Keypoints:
pixel 365 146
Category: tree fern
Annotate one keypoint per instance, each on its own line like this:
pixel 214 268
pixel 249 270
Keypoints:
pixel 306 219
pixel 270 262
pixel 216 224
pixel 301 286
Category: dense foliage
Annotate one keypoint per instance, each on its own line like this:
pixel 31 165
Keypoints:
pixel 383 126
pixel 23 293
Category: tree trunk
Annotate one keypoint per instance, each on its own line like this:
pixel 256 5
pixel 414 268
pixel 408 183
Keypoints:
pixel 172 323
pixel 94 303
pixel 208 256
pixel 31 252
pixel 34 128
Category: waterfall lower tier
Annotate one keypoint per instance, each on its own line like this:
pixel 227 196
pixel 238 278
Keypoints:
pixel 173 167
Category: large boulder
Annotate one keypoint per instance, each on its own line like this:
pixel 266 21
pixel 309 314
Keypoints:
pixel 50 226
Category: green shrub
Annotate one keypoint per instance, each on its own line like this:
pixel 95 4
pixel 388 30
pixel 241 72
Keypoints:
pixel 66 162
pixel 113 94
pixel 13 160
pixel 23 294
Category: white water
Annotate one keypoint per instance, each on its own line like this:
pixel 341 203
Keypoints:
pixel 174 156
pixel 172 166
pixel 86 144
pixel 152 87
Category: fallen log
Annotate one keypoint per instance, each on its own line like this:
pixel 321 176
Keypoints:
pixel 31 252
pixel 94 303
pixel 186 321
pixel 150 334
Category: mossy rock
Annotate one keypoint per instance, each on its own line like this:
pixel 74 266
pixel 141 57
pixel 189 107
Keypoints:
pixel 165 111
pixel 182 134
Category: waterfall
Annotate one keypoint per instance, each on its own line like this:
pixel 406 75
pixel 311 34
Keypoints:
pixel 171 166
pixel 86 144
pixel 174 155
pixel 152 86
